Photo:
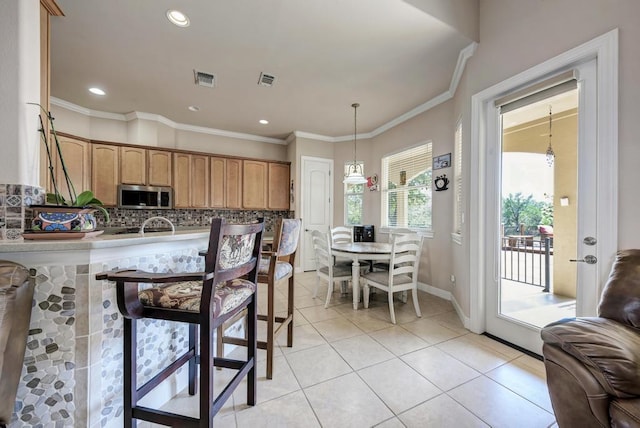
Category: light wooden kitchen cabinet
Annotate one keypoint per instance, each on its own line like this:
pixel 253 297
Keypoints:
pixel 133 165
pixel 159 167
pixel 278 186
pixel 190 180
pixel 218 183
pixel 105 172
pixel 199 181
pixel 233 183
pixel 77 159
pixel 181 179
pixel 254 184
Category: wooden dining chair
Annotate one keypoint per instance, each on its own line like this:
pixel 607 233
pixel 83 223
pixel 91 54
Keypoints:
pixel 324 265
pixel 204 301
pixel 402 274
pixel 277 267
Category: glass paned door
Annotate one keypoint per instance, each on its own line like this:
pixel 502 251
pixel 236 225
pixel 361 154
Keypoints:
pixel 538 211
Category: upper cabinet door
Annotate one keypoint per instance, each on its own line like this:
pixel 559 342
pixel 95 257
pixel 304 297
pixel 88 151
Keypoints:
pixel 278 186
pixel 233 183
pixel 181 180
pixel 76 155
pixel 199 181
pixel 159 168
pixel 133 165
pixel 218 182
pixel 104 173
pixel 254 184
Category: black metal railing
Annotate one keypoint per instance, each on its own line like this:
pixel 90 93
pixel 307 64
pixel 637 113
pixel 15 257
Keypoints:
pixel 527 259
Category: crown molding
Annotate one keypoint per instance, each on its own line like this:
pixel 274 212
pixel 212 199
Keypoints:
pixel 134 115
pixel 463 56
pixel 52 7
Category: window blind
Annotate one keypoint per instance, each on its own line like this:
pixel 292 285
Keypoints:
pixel 457 174
pixel 403 167
pixel 406 188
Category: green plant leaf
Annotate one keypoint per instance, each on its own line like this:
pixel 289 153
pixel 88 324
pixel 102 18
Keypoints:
pixel 56 199
pixel 85 198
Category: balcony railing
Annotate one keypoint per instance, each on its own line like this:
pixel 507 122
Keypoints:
pixel 527 259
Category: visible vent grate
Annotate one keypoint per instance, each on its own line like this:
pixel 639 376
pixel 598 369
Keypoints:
pixel 266 79
pixel 204 79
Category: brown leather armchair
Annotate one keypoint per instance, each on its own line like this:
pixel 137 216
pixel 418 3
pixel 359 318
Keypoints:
pixel 593 363
pixel 16 296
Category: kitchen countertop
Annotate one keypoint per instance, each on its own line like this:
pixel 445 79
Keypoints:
pixel 102 241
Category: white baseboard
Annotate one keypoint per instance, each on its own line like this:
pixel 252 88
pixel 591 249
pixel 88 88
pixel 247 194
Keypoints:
pixel 446 295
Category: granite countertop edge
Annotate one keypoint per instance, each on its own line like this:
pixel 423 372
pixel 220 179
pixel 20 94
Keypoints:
pixel 101 241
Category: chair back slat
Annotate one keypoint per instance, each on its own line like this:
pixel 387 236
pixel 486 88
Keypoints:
pixel 341 235
pixel 405 255
pixel 322 251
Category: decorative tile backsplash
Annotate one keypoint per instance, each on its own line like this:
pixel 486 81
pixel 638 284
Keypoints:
pixel 121 217
pixel 15 214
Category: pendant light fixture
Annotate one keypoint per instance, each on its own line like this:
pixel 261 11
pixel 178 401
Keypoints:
pixel 355 174
pixel 550 153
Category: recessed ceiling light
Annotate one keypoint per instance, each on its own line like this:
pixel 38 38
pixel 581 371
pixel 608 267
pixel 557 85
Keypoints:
pixel 178 18
pixel 264 121
pixel 97 91
pixel 194 108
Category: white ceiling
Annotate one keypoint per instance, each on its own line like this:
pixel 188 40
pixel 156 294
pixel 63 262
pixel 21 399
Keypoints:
pixel 388 55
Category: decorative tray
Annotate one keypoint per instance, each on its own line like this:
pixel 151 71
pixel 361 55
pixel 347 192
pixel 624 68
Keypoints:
pixel 33 235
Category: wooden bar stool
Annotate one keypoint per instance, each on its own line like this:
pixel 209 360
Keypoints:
pixel 279 266
pixel 205 301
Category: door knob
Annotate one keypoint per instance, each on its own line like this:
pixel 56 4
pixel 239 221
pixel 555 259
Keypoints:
pixel 590 240
pixel 590 260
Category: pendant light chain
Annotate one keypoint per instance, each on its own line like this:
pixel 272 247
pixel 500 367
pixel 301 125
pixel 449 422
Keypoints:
pixel 550 153
pixel 355 133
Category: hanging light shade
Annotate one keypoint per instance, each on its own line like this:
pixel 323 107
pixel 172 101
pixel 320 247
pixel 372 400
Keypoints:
pixel 550 153
pixel 355 174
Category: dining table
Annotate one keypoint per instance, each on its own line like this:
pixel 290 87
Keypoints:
pixel 357 251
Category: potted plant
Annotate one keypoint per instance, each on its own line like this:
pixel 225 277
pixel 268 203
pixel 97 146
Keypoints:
pixel 75 214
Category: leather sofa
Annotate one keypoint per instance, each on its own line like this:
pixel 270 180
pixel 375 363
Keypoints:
pixel 16 296
pixel 593 363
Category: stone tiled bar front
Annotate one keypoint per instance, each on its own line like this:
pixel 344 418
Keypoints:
pixel 73 363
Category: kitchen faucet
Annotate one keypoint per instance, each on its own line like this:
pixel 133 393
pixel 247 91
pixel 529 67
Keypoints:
pixel 173 228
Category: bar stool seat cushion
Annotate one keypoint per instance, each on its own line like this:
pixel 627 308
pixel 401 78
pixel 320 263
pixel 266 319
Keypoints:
pixel 283 269
pixel 185 296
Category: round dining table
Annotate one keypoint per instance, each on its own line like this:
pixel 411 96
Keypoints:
pixel 357 251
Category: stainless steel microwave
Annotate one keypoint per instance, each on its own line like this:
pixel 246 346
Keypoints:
pixel 144 197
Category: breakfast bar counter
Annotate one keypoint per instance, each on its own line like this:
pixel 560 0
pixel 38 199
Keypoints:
pixel 73 363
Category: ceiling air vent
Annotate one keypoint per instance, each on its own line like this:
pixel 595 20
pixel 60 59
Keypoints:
pixel 204 79
pixel 266 79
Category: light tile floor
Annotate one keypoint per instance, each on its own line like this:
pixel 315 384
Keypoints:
pixel 355 369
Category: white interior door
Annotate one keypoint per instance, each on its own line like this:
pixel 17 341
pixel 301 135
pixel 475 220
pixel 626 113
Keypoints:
pixel 317 203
